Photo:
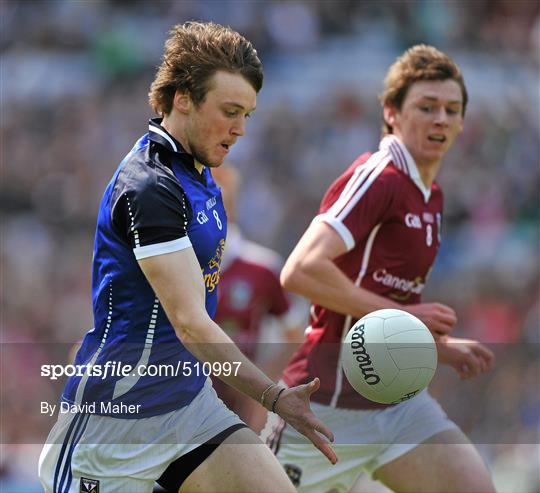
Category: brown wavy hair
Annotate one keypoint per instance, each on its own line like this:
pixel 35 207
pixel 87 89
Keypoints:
pixel 420 62
pixel 193 52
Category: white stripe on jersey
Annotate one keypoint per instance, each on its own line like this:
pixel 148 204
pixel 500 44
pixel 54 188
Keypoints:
pixel 132 227
pixel 403 161
pixel 355 181
pixel 367 250
pixel 161 248
pixel 339 369
pixel 355 188
pixel 157 130
pixel 359 184
pixel 125 384
pixel 347 323
pixel 359 193
pixel 399 157
pixel 82 383
pixel 342 230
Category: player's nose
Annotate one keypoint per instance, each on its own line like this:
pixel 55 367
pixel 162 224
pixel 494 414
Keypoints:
pixel 239 127
pixel 441 116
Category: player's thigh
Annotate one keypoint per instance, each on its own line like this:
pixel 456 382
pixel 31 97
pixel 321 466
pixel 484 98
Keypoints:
pixel 243 464
pixel 446 463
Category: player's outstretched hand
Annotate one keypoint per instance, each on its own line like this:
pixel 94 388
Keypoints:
pixel 469 358
pixel 293 406
pixel 440 319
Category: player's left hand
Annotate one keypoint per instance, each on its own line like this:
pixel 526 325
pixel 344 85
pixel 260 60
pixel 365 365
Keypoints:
pixel 293 406
pixel 468 357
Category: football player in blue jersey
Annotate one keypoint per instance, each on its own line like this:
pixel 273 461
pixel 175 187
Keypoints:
pixel 142 408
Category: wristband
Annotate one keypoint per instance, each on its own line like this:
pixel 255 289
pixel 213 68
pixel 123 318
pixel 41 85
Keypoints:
pixel 265 393
pixel 276 399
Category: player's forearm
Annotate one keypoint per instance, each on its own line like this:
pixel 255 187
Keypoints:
pixel 208 343
pixel 323 283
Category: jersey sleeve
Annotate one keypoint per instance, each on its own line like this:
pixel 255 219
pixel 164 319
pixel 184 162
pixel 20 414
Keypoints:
pixel 358 201
pixel 152 214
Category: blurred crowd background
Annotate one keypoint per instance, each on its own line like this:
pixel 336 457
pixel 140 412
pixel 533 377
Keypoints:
pixel 74 82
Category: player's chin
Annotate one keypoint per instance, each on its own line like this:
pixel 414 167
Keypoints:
pixel 216 160
pixel 212 161
pixel 215 164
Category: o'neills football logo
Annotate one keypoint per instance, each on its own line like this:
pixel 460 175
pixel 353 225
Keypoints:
pixel 362 357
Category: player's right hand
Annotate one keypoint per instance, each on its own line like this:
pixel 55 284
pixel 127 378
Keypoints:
pixel 440 319
pixel 468 357
pixel 293 406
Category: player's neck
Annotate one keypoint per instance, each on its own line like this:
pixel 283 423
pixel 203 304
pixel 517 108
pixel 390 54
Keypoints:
pixel 428 172
pixel 175 127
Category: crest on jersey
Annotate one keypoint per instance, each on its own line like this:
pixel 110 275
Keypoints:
pixel 294 473
pixel 89 486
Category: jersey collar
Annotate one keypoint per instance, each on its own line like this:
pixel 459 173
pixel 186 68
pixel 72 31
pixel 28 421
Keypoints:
pixel 403 160
pixel 156 133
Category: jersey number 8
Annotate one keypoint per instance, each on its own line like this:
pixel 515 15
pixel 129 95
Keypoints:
pixel 218 220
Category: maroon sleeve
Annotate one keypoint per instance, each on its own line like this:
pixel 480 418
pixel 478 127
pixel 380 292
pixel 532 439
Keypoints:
pixel 358 200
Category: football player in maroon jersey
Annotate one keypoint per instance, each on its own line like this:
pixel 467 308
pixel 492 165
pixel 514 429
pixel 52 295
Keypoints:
pixel 372 246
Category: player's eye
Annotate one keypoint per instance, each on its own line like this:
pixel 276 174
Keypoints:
pixel 451 111
pixel 426 109
pixel 231 114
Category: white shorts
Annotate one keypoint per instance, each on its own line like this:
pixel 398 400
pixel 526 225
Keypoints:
pixel 364 441
pixel 127 455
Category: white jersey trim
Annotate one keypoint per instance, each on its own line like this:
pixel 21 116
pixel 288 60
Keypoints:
pixel 125 384
pixel 158 131
pixel 359 193
pixel 348 319
pixel 362 178
pixel 403 160
pixel 339 227
pixel 361 173
pixel 162 248
pixel 82 382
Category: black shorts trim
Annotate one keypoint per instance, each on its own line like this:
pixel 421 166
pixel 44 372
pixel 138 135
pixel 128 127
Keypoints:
pixel 178 471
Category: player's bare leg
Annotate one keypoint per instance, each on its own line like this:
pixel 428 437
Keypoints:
pixel 446 463
pixel 243 464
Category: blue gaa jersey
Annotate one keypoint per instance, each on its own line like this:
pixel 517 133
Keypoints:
pixel 156 203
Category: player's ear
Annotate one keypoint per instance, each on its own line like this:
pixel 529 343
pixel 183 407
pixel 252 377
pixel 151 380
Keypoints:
pixel 182 102
pixel 390 115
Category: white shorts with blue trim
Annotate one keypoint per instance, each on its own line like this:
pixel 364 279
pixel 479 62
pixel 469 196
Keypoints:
pixel 364 441
pixel 87 452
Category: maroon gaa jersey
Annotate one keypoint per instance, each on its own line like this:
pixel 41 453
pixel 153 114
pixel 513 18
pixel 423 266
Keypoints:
pixel 391 224
pixel 249 290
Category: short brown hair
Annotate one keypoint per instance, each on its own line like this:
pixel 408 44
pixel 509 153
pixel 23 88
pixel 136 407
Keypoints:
pixel 421 62
pixel 193 52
